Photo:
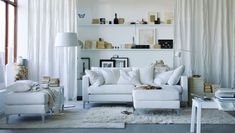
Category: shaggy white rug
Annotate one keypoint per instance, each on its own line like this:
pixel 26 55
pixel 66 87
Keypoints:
pixel 114 117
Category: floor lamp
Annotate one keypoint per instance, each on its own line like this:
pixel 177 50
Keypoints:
pixel 67 39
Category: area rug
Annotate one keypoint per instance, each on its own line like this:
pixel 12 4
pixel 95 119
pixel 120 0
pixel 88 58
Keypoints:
pixel 114 117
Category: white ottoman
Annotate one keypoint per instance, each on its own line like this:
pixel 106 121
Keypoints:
pixel 26 103
pixel 166 98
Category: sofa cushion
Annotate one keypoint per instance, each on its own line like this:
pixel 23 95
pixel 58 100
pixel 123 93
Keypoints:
pixel 111 89
pixel 162 78
pixel 111 75
pixel 175 77
pixel 96 79
pixel 146 75
pixel 28 98
pixel 165 94
pixel 129 77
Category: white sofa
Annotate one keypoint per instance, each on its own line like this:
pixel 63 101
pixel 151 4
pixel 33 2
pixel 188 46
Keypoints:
pixel 123 93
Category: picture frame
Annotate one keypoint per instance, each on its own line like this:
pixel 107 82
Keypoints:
pixel 121 61
pixel 107 63
pixel 147 36
pixel 86 64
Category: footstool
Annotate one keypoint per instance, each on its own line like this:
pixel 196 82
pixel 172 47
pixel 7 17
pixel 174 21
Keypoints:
pixel 31 103
pixel 166 98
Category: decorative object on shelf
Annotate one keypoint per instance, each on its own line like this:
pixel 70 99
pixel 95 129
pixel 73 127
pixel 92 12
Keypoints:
pixel 128 45
pixel 100 44
pixel 54 82
pixel 166 44
pixel 102 20
pixel 140 47
pixel 108 45
pixel 152 16
pixel 115 20
pixel 169 17
pixel 110 22
pixel 121 21
pixel 142 21
pixel 147 36
pixel 158 21
pixel 86 65
pixel 121 61
pixel 88 44
pixel 157 46
pixel 95 21
pixel 107 63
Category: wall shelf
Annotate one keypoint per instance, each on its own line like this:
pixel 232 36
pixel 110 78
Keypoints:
pixel 127 50
pixel 125 25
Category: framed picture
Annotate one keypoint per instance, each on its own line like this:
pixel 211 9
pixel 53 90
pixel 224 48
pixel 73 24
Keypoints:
pixel 107 63
pixel 86 64
pixel 146 36
pixel 121 61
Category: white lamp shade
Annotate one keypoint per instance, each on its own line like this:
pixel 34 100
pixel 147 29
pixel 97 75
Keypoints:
pixel 66 39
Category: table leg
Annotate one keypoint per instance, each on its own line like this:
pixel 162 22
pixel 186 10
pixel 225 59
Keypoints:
pixel 193 117
pixel 199 110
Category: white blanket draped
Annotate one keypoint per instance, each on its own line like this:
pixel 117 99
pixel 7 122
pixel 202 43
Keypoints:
pixel 205 32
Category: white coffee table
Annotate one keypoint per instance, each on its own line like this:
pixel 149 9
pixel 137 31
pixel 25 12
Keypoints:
pixel 197 106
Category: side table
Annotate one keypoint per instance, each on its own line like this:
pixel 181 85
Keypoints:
pixel 60 99
pixel 197 106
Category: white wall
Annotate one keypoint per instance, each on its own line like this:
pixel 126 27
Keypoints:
pixel 131 10
pixel 137 57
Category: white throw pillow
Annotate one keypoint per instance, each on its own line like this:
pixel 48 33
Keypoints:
pixel 129 77
pixel 162 78
pixel 146 75
pixel 175 77
pixel 96 78
pixel 111 76
pixel 19 87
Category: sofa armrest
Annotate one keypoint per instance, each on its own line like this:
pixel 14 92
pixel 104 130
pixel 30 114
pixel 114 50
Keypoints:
pixel 184 84
pixel 85 85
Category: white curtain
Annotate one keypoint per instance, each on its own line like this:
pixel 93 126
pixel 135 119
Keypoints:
pixel 2 71
pixel 204 34
pixel 46 19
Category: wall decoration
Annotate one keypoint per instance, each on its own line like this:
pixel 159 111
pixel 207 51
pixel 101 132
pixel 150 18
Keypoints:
pixel 107 63
pixel 86 65
pixel 121 61
pixel 84 15
pixel 166 44
pixel 147 36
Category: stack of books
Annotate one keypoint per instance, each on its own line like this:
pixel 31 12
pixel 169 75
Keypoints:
pixel 45 80
pixel 54 82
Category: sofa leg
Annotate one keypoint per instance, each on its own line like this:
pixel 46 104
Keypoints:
pixel 43 118
pixel 177 111
pixel 7 118
pixel 84 105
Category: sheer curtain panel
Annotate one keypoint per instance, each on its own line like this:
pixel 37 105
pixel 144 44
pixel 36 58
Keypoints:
pixel 46 19
pixel 204 34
